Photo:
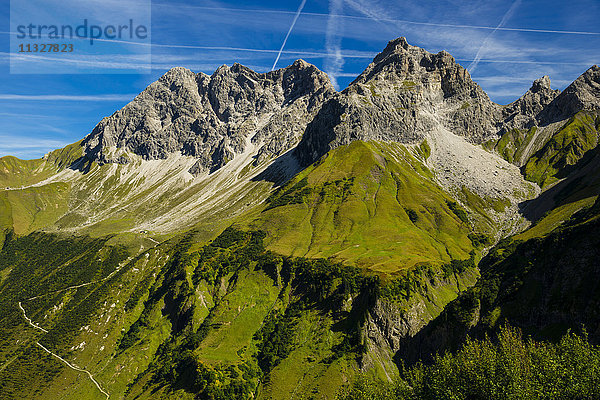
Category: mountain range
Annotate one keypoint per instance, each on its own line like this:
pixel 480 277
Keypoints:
pixel 248 235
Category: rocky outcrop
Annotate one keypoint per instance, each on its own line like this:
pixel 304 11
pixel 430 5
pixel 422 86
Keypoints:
pixel 402 96
pixel 531 121
pixel 212 118
pixel 390 324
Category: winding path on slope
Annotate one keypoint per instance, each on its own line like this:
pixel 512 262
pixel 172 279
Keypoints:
pixel 73 367
pixel 36 326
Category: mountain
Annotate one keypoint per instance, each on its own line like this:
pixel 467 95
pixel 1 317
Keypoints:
pixel 247 235
pixel 214 118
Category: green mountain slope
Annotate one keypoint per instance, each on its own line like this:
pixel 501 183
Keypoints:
pixel 367 204
pixel 224 320
pixel 27 203
pixel 564 150
pixel 545 285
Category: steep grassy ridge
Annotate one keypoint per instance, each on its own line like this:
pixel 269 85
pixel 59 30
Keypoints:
pixel 564 150
pixel 544 285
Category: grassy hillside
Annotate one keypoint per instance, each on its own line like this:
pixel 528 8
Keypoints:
pixel 27 205
pixel 565 166
pixel 358 262
pixel 45 265
pixel 367 204
pixel 513 143
pixel 33 208
pixel 544 285
pixel 16 173
pixel 370 205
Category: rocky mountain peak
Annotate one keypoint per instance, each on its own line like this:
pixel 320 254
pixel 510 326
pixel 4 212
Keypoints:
pixel 586 89
pixel 403 95
pixel 395 46
pixel 212 117
pixel 399 59
pixel 524 112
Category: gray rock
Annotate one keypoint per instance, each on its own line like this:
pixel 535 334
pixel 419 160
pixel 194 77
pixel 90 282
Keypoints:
pixel 211 118
pixel 401 95
pixel 582 94
pixel 404 94
pixel 524 113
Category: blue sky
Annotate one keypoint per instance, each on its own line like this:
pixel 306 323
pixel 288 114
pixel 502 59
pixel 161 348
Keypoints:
pixel 505 45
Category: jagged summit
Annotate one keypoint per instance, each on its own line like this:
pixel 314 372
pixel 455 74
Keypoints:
pixel 541 84
pixel 524 112
pixel 212 118
pixel 399 59
pixel 405 93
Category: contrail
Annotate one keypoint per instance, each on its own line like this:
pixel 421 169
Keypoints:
pixel 351 54
pixel 372 11
pixel 333 43
pixel 505 18
pixel 288 33
pixel 384 19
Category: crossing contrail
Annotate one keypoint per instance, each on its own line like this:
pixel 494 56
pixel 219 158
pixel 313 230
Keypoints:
pixel 505 18
pixel 288 33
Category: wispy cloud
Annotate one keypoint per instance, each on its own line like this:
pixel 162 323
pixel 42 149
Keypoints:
pixel 490 60
pixel 483 46
pixel 61 97
pixel 372 11
pixel 104 62
pixel 25 147
pixel 288 33
pixel 507 80
pixel 20 142
pixel 30 116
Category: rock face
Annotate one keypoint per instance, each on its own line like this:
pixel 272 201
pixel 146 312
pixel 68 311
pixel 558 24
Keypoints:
pixel 400 97
pixel 212 118
pixel 531 121
pixel 582 94
pixel 523 113
pixel 542 106
pixel 390 324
